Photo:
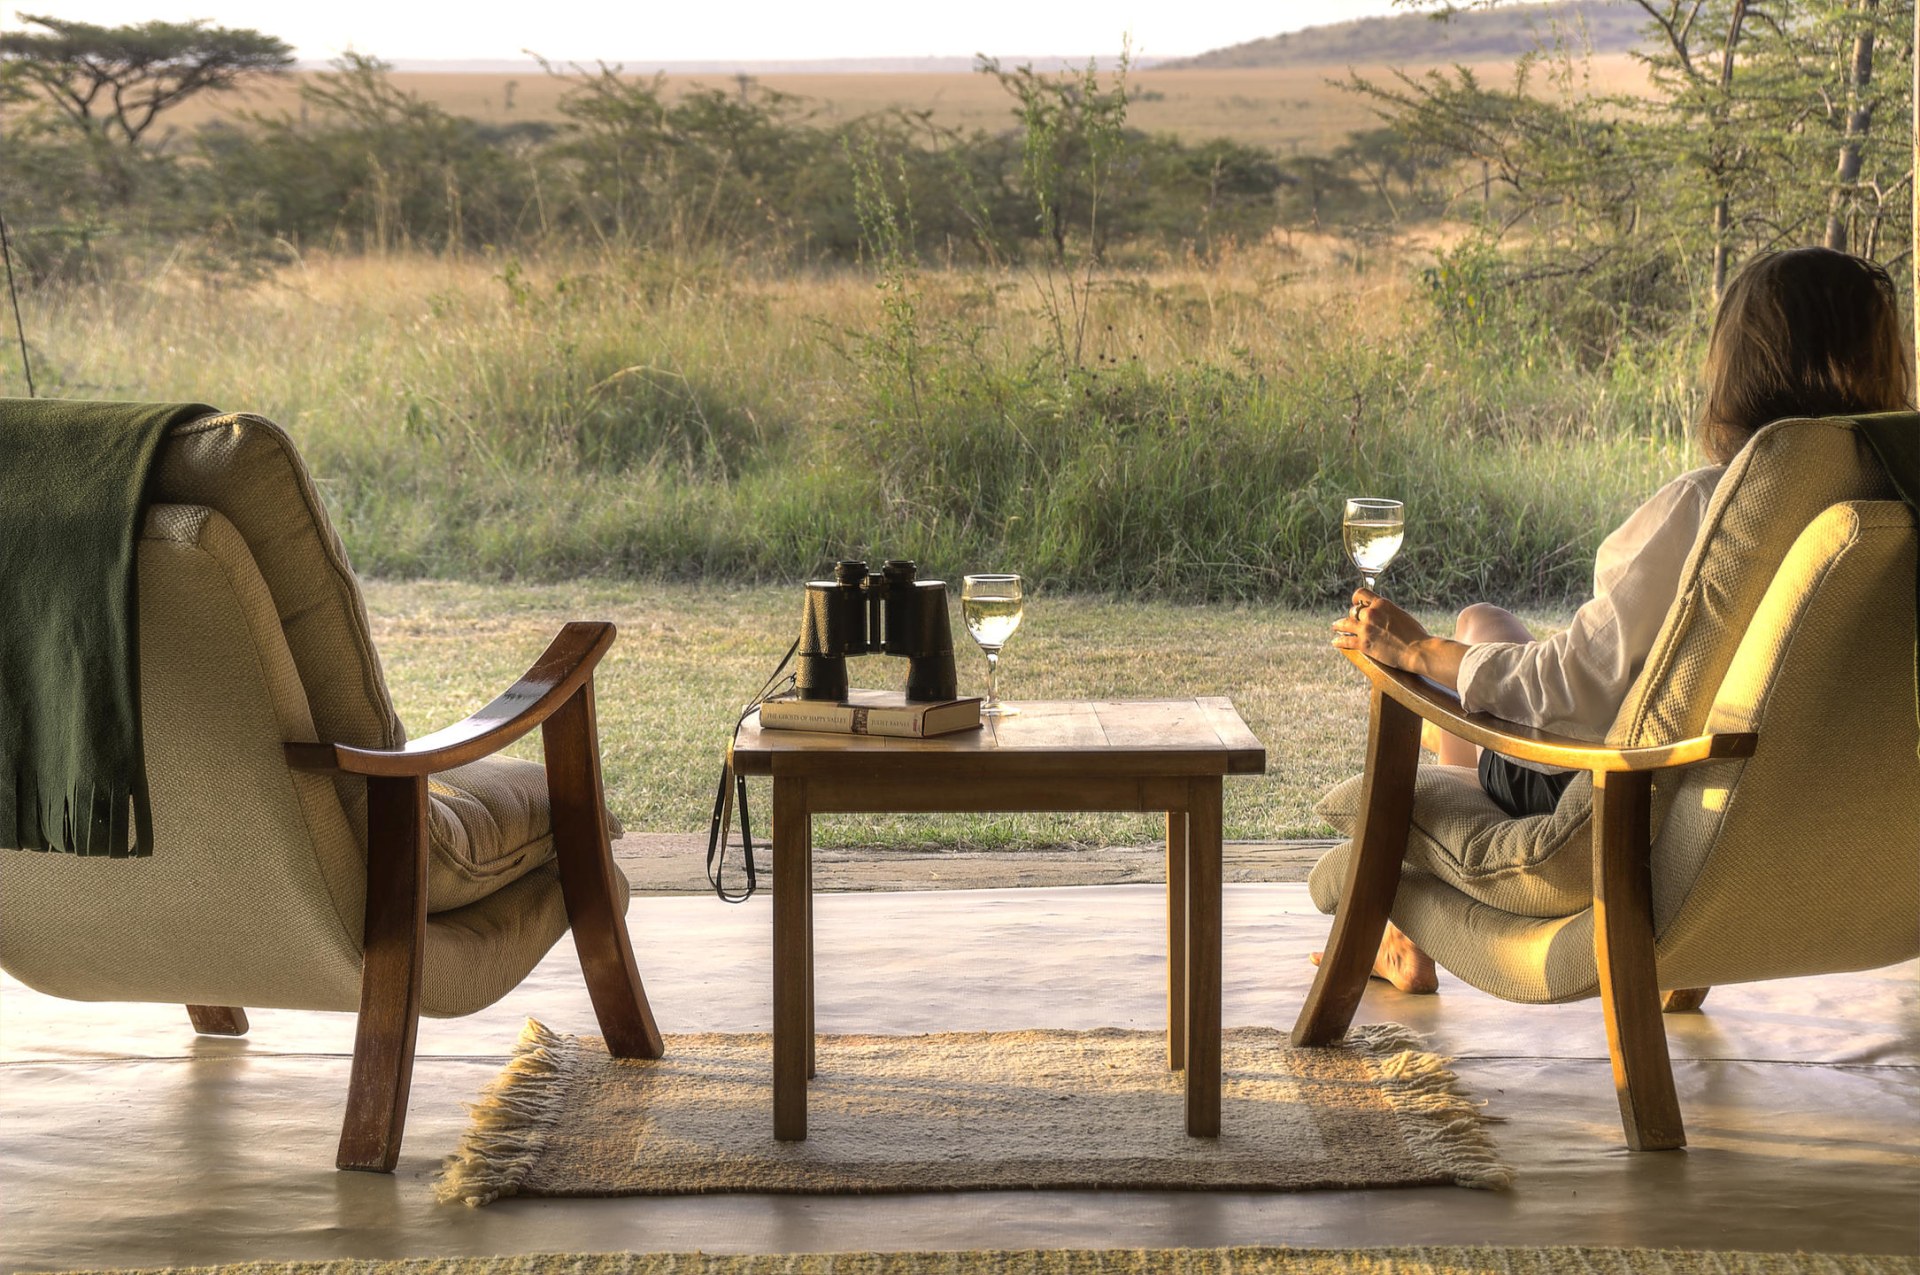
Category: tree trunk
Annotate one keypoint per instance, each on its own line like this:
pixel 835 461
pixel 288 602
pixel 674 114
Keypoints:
pixel 1722 207
pixel 1859 121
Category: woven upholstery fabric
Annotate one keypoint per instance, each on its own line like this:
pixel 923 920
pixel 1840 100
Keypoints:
pixel 256 892
pixel 1751 879
pixel 1805 858
pixel 1783 480
pixel 250 859
pixel 1778 484
pixel 246 467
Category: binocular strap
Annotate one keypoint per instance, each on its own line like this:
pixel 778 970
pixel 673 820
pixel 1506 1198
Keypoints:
pixel 733 786
pixel 732 790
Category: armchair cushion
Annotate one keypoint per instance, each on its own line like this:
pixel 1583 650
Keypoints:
pixel 1773 489
pixel 245 467
pixel 1535 867
pixel 488 824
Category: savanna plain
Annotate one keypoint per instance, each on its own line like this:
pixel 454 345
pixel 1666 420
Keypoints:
pixel 1287 109
pixel 587 345
pixel 676 443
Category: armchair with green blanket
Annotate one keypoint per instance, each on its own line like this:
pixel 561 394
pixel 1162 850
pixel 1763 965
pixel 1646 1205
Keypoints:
pixel 304 854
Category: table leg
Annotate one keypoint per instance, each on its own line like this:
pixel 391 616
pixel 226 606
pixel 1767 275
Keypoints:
pixel 813 1036
pixel 1176 940
pixel 792 851
pixel 1203 957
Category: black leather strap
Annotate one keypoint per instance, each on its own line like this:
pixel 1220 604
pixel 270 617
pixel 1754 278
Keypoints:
pixel 733 787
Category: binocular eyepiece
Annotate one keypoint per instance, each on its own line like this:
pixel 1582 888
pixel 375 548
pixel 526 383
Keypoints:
pixel 884 612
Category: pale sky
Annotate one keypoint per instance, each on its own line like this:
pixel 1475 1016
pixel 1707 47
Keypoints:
pixel 643 31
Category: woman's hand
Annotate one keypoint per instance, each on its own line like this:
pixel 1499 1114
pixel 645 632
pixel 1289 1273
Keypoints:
pixel 1376 627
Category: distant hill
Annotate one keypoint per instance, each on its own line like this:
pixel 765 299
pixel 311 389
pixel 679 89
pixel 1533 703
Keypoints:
pixel 1612 26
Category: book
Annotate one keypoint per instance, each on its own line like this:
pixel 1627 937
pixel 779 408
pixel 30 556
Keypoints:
pixel 873 713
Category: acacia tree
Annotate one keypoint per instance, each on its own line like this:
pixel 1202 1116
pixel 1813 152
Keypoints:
pixel 114 82
pixel 1073 130
pixel 1074 157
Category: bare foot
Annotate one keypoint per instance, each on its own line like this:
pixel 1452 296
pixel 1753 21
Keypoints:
pixel 1402 963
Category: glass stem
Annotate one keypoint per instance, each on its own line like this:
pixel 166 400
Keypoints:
pixel 1369 580
pixel 993 670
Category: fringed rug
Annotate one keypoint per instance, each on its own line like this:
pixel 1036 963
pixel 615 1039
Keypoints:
pixel 1080 1261
pixel 969 1111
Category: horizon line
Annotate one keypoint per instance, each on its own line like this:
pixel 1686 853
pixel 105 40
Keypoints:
pixel 905 63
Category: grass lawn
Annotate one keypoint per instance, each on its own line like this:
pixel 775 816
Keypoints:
pixel 688 655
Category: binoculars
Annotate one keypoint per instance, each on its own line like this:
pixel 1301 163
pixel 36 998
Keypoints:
pixel 887 612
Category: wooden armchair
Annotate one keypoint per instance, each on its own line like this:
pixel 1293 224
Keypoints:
pixel 306 856
pixel 1691 853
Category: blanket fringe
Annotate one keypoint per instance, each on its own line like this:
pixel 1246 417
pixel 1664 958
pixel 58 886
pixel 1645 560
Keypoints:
pixel 1445 1129
pixel 511 1120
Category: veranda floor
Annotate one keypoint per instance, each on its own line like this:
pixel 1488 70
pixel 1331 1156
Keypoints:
pixel 125 1140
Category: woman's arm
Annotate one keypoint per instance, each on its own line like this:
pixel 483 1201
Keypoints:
pixel 1574 682
pixel 1376 627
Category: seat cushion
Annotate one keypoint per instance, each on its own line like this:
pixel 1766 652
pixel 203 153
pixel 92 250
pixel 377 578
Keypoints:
pixel 488 824
pixel 1540 866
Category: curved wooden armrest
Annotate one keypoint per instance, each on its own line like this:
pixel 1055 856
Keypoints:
pixel 1525 743
pixel 565 666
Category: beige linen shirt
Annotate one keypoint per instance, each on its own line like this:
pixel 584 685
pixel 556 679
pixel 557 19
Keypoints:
pixel 1574 682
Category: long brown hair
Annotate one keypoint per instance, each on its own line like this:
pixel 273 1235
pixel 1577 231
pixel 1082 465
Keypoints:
pixel 1808 332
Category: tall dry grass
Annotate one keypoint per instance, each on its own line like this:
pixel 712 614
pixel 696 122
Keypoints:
pixel 1186 430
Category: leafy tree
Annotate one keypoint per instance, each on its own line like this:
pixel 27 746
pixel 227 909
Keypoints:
pixel 371 165
pixel 115 82
pixel 1074 133
pixel 1767 129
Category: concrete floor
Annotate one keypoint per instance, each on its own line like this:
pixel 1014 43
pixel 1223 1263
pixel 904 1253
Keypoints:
pixel 125 1140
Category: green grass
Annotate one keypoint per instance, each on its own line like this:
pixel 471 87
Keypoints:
pixel 688 655
pixel 659 419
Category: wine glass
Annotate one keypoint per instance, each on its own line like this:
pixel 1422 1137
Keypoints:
pixel 1373 531
pixel 992 606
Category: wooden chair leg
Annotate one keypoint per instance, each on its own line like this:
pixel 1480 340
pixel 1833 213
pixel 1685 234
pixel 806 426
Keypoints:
pixel 218 1020
pixel 1373 874
pixel 1684 1000
pixel 1624 953
pixel 585 855
pixel 390 974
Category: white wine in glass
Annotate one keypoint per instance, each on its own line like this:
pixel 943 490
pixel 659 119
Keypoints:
pixel 1374 531
pixel 992 606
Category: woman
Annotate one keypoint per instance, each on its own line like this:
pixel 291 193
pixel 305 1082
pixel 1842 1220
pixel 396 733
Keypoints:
pixel 1810 332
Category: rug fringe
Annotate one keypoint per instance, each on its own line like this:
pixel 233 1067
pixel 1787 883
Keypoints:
pixel 1445 1128
pixel 511 1120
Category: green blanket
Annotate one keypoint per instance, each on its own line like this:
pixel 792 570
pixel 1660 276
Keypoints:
pixel 1895 439
pixel 73 478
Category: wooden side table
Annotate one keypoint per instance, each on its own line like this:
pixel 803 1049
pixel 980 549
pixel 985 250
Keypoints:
pixel 1140 755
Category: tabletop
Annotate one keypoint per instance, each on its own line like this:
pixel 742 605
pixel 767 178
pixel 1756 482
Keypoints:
pixel 1165 736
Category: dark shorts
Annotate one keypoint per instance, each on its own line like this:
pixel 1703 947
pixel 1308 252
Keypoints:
pixel 1519 791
